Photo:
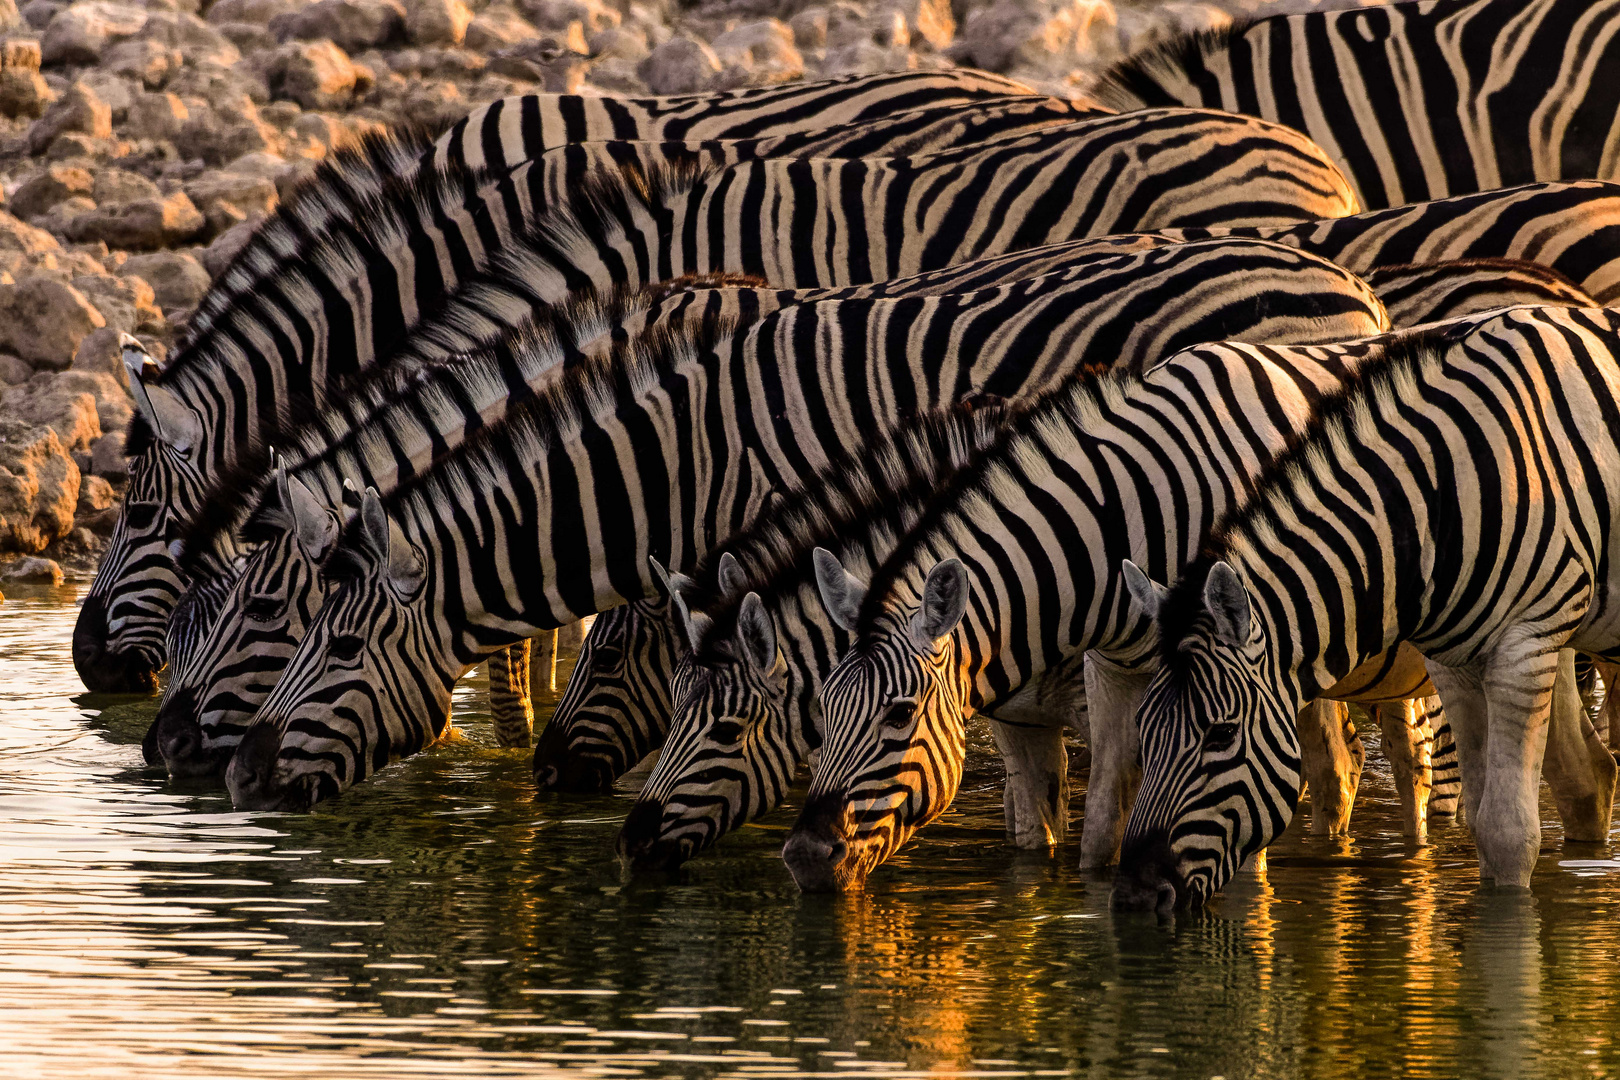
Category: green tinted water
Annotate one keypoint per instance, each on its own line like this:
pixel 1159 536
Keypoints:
pixel 442 920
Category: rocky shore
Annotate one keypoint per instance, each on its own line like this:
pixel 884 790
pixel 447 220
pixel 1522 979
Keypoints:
pixel 140 143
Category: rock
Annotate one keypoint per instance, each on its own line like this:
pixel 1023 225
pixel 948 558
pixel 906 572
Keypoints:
pixel 23 93
pixel 57 217
pixel 497 27
pixel 39 13
pixel 147 62
pixel 758 52
pixel 116 186
pixel 436 22
pixel 252 11
pixel 223 87
pixel 14 370
pixel 592 15
pixel 218 255
pixel 44 189
pixel 32 570
pixel 128 303
pixel 39 487
pixel 10 17
pixel 681 65
pixel 227 132
pixel 60 393
pixel 850 24
pixel 928 21
pixel 107 456
pixel 178 280
pixel 43 321
pixel 95 495
pixel 145 223
pixel 78 110
pixel 317 75
pixel 156 116
pixel 809 28
pixel 78 34
pixel 24 239
pixel 117 91
pixel 67 409
pixel 1050 35
pixel 350 24
pixel 621 44
pixel 229 199
pixel 199 43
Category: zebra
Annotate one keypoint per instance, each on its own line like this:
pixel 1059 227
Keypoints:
pixel 354 281
pixel 665 452
pixel 1416 100
pixel 715 773
pixel 1458 496
pixel 1440 291
pixel 461 370
pixel 504 134
pixel 613 709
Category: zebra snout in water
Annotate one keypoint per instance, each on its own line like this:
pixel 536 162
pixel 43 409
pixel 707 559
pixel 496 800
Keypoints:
pixel 104 671
pixel 251 775
pixel 1147 879
pixel 642 844
pixel 179 739
pixel 560 767
pixel 817 852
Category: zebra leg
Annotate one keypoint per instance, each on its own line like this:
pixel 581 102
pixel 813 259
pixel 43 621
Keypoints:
pixel 1445 791
pixel 1578 767
pixel 1036 798
pixel 1112 695
pixel 1464 697
pixel 1404 726
pixel 1518 690
pixel 509 695
pixel 1610 714
pixel 1331 757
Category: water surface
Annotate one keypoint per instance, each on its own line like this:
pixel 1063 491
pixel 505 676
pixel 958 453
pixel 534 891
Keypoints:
pixel 442 920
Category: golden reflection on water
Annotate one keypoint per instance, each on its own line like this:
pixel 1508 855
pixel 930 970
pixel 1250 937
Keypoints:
pixel 441 920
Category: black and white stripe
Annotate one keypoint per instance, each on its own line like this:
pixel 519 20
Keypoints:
pixel 1458 497
pixel 1416 100
pixel 669 451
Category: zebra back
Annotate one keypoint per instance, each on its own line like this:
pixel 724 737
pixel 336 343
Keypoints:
pixel 1422 294
pixel 1414 100
pixel 504 133
pixel 668 452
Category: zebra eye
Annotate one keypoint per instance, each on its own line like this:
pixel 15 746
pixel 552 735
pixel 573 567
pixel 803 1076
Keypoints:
pixel 726 731
pixel 1220 736
pixel 347 646
pixel 899 715
pixel 141 516
pixel 607 658
pixel 261 608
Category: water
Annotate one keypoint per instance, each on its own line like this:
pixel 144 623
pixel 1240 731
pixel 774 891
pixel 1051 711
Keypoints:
pixel 442 920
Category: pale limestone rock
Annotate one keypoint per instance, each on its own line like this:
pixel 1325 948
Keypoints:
pixel 44 189
pixel 77 34
pixel 77 110
pixel 681 65
pixel 43 321
pixel 437 22
pixel 316 74
pixel 178 279
pixel 350 24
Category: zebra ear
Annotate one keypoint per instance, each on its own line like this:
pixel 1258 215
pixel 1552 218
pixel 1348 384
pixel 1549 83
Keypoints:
pixel 757 635
pixel 687 630
pixel 1228 601
pixel 733 582
pixel 670 581
pixel 944 602
pixel 313 525
pixel 841 591
pixel 169 418
pixel 1148 594
pixel 387 539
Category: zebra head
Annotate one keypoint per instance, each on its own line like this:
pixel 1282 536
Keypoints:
pixel 364 687
pixel 118 640
pixel 894 744
pixel 1220 750
pixel 724 762
pixel 616 708
pixel 267 608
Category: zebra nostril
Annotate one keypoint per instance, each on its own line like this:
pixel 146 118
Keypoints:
pixel 640 830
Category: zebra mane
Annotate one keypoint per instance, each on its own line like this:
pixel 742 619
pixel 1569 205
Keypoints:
pixel 360 199
pixel 586 393
pixel 1143 80
pixel 356 419
pixel 1524 268
pixel 1332 427
pixel 864 489
pixel 1080 393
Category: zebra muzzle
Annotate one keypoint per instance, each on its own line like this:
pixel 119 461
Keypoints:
pixel 254 780
pixel 180 742
pixel 1147 879
pixel 102 669
pixel 818 853
pixel 642 846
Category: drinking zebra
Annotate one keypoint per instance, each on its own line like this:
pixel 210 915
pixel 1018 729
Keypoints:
pixel 1458 497
pixel 667 452
pixel 616 706
pixel 1415 100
